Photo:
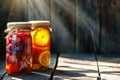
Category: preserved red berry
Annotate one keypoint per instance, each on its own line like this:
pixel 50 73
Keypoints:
pixel 18 48
pixel 13 59
pixel 9 48
pixel 9 39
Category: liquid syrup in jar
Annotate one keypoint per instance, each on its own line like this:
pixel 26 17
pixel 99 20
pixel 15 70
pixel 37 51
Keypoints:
pixel 18 51
pixel 40 45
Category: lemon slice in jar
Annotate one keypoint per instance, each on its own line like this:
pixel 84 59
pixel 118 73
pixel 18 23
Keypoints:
pixel 44 58
pixel 41 37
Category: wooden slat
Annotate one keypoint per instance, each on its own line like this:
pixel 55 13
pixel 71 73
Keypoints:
pixel 63 19
pixel 87 25
pixel 109 67
pixel 39 10
pixel 36 75
pixel 110 26
pixel 76 66
pixel 18 11
pixel 4 12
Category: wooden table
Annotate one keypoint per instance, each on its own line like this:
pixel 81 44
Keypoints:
pixel 74 66
pixel 109 67
pixel 36 75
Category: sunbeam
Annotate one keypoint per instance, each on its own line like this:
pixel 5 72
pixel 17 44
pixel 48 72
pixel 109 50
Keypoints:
pixel 11 14
pixel 18 10
pixel 63 25
pixel 87 28
pixel 38 9
pixel 5 4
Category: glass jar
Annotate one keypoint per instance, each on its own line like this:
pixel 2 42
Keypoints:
pixel 40 44
pixel 18 48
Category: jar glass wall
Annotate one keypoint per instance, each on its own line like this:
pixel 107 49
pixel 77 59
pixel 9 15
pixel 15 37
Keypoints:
pixel 40 44
pixel 18 49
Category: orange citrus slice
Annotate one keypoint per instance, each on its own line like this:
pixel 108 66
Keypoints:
pixel 7 67
pixel 41 48
pixel 41 37
pixel 44 58
pixel 36 66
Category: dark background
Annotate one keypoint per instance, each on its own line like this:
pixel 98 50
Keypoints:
pixel 79 26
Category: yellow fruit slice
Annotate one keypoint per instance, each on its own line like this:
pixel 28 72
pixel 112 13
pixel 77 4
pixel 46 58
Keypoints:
pixel 7 67
pixel 41 37
pixel 36 66
pixel 44 58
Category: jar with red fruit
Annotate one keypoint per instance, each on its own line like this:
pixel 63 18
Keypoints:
pixel 18 48
pixel 40 44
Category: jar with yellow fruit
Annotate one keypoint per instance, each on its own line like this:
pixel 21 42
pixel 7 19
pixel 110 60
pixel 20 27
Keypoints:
pixel 40 44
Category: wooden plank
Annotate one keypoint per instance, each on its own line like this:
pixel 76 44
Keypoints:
pixel 36 75
pixel 110 26
pixel 87 29
pixel 18 11
pixel 39 10
pixel 76 66
pixel 109 67
pixel 4 12
pixel 63 17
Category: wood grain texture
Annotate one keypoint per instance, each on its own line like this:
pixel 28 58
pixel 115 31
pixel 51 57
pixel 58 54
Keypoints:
pixel 36 75
pixel 63 19
pixel 76 23
pixel 76 67
pixel 87 26
pixel 110 26
pixel 39 10
pixel 4 12
pixel 109 67
pixel 18 11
